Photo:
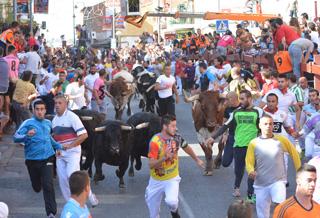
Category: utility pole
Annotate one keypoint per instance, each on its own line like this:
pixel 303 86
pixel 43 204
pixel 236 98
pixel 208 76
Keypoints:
pixel 113 39
pixel 15 10
pixel 159 23
pixel 73 25
pixel 31 15
pixel 219 6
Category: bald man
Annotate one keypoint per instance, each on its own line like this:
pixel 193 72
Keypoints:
pixel 303 83
pixel 232 104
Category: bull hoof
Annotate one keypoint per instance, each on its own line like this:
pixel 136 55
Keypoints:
pixel 138 166
pixel 208 173
pixel 131 172
pixel 122 185
pixel 217 164
pixel 98 178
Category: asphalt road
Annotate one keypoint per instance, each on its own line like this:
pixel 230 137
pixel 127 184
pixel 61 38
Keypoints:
pixel 200 196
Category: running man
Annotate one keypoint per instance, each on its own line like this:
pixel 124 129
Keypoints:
pixel 246 120
pixel 265 164
pixel 164 167
pixel 70 132
pixel 39 153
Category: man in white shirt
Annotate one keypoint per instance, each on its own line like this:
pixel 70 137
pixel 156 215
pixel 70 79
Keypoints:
pixel 166 86
pixel 68 130
pixel 89 83
pixel 286 98
pixel 33 63
pixel 75 93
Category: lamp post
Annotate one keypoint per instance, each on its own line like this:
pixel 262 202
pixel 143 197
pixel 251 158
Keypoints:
pixel 15 10
pixel 31 16
pixel 74 23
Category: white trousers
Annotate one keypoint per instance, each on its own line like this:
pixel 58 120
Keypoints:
pixel 157 189
pixel 312 149
pixel 275 192
pixel 68 163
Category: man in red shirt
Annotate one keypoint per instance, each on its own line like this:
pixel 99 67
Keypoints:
pixel 179 73
pixel 283 34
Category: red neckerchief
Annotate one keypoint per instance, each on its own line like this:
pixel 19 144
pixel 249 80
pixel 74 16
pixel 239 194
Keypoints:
pixel 266 109
pixel 284 91
pixel 226 62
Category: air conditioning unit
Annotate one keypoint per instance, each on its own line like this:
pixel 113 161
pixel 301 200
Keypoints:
pixel 93 35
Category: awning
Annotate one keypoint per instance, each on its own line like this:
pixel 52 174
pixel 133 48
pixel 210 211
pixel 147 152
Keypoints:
pixel 238 16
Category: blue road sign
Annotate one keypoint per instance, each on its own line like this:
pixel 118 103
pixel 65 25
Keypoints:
pixel 222 25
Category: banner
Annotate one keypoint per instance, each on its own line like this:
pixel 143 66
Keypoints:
pixel 22 7
pixel 120 22
pixel 41 6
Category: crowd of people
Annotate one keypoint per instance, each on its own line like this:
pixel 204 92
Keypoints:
pixel 271 111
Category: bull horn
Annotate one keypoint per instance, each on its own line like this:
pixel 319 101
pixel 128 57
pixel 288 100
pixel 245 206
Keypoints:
pixel 142 125
pixel 99 129
pixel 145 84
pixel 139 79
pixel 86 118
pixel 125 127
pixel 150 88
pixel 191 98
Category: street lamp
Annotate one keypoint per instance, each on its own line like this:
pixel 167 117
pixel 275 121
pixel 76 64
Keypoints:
pixel 74 24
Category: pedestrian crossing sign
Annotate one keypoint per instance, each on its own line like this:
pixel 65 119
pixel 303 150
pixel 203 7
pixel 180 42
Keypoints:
pixel 222 25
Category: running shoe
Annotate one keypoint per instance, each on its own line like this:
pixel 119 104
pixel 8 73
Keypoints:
pixel 251 199
pixel 93 200
pixel 236 193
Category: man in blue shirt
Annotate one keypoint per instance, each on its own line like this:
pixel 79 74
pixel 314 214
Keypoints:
pixel 208 81
pixel 76 207
pixel 39 152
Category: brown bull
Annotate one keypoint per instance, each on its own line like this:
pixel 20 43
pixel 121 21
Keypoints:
pixel 207 113
pixel 121 93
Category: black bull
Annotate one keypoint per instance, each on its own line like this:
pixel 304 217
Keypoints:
pixel 145 84
pixel 112 147
pixel 141 137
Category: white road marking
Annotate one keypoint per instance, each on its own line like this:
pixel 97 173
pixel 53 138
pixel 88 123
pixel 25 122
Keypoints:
pixel 185 206
pixel 198 150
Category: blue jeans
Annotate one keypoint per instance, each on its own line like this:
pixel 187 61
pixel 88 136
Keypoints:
pixel 296 58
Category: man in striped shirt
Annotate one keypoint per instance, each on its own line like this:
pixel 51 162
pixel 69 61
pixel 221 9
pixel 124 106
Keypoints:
pixel 69 131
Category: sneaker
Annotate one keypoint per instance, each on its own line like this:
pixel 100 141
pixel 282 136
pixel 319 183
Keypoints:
pixel 251 199
pixel 236 193
pixel 51 215
pixel 175 214
pixel 93 200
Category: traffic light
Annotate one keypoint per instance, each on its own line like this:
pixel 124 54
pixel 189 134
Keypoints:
pixel 133 7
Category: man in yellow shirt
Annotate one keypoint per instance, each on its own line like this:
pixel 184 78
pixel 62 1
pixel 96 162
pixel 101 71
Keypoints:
pixel 265 164
pixel 164 167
